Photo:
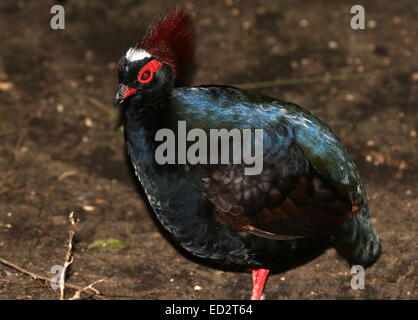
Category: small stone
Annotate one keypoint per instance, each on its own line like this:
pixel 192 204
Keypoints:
pixel 333 44
pixel 246 25
pixel 371 143
pixel 88 208
pixel 402 165
pixel 60 107
pixel 413 133
pixel 88 122
pixel 414 76
pixel 197 288
pixel 73 84
pixel 379 158
pixel 371 24
pixel 6 85
pixel 234 12
pixel 349 97
pixel 304 23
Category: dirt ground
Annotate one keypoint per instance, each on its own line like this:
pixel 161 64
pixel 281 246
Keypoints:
pixel 62 147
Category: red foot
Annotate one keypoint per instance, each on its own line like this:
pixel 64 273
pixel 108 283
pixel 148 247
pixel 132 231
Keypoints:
pixel 259 280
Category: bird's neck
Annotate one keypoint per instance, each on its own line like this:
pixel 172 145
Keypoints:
pixel 145 115
pixel 147 110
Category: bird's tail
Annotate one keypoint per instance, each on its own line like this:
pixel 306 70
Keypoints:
pixel 357 240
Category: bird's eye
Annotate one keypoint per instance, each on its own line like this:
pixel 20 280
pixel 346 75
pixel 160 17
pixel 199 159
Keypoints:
pixel 147 72
pixel 145 75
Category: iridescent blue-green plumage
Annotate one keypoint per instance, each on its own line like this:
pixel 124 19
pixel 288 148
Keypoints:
pixel 308 194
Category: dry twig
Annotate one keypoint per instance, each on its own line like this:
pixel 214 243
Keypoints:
pixel 69 255
pixel 76 295
pixel 94 292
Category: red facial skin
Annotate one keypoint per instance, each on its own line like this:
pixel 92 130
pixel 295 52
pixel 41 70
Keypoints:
pixel 144 76
pixel 151 68
pixel 129 92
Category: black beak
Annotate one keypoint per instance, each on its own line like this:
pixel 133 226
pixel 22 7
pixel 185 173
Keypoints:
pixel 119 95
pixel 123 93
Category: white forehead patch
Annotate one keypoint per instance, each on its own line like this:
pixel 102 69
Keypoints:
pixel 134 54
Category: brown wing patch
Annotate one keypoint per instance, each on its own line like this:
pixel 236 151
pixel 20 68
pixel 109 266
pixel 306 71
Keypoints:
pixel 280 203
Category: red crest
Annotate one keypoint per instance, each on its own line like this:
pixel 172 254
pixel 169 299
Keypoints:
pixel 171 39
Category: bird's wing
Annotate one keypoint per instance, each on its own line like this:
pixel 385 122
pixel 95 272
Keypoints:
pixel 309 185
pixel 289 199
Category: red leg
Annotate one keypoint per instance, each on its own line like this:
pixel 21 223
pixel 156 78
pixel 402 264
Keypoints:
pixel 255 272
pixel 259 280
